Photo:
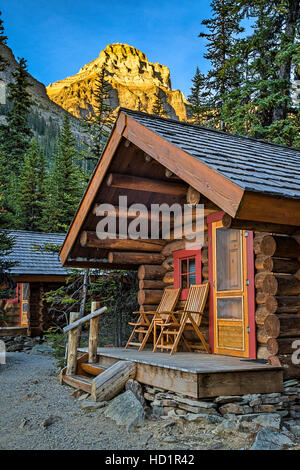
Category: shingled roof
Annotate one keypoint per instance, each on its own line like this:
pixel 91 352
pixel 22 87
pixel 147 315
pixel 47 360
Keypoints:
pixel 254 165
pixel 29 259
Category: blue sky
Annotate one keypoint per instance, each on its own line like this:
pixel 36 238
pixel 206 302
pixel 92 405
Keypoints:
pixel 58 37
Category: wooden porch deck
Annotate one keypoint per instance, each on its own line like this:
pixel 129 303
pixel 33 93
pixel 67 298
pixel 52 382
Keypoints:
pixel 197 375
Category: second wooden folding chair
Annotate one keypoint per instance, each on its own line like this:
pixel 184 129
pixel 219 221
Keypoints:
pixel 181 321
pixel 144 326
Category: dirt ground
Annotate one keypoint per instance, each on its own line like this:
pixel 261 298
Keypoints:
pixel 39 414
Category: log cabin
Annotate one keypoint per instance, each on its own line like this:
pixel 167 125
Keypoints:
pixel 35 272
pixel 250 254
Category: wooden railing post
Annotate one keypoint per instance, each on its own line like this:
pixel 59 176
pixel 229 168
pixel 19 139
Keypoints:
pixel 72 346
pixel 93 336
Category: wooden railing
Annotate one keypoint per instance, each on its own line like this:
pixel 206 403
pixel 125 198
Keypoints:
pixel 73 334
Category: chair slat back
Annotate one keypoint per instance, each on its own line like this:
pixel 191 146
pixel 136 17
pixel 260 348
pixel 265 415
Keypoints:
pixel 196 300
pixel 168 301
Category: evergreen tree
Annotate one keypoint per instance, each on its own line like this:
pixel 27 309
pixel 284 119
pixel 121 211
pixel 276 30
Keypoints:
pixel 3 41
pixel 199 99
pixel 261 106
pixel 32 188
pixel 99 124
pixel 158 107
pixel 15 139
pixel 64 186
pixel 223 30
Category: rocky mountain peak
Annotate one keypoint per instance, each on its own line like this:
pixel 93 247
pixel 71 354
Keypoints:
pixel 135 83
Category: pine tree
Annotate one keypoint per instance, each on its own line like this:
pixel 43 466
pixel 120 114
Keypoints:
pixel 158 107
pixel 261 106
pixel 223 30
pixel 99 124
pixel 64 186
pixel 16 137
pixel 3 41
pixel 32 188
pixel 199 99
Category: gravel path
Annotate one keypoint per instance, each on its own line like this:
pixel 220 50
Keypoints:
pixel 38 413
pixel 30 395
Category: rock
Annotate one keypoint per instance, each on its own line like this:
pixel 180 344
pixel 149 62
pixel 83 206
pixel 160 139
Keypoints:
pixel 231 408
pixel 14 348
pixel 93 405
pixel 84 396
pixel 149 397
pixel 51 420
pixel 137 390
pixel 226 425
pixel 222 400
pixel 270 439
pixel 293 427
pixel 134 83
pixel 41 349
pixel 264 409
pixel 126 410
pixel 203 418
pixel 23 423
pixel 169 439
pixel 157 411
pixel 270 420
pixel 195 403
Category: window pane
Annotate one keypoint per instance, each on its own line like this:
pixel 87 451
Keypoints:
pixel 228 259
pixel 192 279
pixel 192 265
pixel 230 308
pixel 25 291
pixel 184 266
pixel 25 307
pixel 184 282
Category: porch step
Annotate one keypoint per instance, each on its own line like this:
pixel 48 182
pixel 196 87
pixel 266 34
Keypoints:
pixel 92 369
pixel 79 381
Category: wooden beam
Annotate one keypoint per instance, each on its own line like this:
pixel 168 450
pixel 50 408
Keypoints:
pixel 264 208
pixel 90 240
pixel 210 183
pixel 119 212
pixel 115 180
pixel 135 258
pixel 240 224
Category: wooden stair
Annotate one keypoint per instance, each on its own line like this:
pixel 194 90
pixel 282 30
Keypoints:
pixel 92 369
pixel 83 372
pixel 80 382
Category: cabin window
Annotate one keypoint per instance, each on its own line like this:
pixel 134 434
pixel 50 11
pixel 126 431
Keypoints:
pixel 24 307
pixel 187 270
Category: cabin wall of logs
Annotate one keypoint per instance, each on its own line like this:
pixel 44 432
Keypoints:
pixel 154 278
pixel 277 283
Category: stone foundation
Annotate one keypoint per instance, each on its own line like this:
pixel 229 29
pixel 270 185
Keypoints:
pixel 281 406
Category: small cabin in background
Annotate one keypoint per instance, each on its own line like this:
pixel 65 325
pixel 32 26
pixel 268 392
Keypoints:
pixel 250 254
pixel 35 272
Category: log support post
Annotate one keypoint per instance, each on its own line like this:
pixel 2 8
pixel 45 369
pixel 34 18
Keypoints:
pixel 72 346
pixel 93 336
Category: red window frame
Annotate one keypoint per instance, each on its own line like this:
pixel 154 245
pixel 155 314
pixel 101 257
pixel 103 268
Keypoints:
pixel 179 256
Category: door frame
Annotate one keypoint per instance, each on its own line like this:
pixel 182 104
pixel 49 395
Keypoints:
pixel 216 217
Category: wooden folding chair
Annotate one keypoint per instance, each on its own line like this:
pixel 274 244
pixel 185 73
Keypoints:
pixel 189 320
pixel 144 326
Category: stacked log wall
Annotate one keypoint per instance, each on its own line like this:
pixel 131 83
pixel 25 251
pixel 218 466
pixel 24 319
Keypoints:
pixel 153 279
pixel 277 283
